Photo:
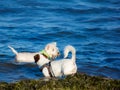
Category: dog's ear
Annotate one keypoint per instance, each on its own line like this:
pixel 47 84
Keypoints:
pixel 54 43
pixel 50 45
pixel 36 58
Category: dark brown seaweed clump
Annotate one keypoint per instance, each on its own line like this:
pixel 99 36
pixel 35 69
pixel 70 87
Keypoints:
pixel 76 82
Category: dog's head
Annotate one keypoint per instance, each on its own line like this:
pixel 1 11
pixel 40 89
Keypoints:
pixel 52 50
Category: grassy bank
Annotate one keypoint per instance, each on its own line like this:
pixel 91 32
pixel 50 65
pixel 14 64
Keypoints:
pixel 77 82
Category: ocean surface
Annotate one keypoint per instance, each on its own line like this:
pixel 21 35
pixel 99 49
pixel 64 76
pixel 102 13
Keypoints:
pixel 91 26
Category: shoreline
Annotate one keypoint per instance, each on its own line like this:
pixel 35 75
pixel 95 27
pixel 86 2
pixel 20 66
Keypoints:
pixel 77 82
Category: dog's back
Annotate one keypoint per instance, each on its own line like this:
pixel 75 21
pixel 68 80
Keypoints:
pixel 65 66
pixel 25 57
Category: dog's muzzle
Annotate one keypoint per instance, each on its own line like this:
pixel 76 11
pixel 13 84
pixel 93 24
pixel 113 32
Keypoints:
pixel 54 56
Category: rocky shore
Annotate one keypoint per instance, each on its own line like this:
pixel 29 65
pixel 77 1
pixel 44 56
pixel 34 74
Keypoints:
pixel 77 82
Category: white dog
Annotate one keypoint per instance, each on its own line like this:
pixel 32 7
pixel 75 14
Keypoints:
pixel 58 68
pixel 51 51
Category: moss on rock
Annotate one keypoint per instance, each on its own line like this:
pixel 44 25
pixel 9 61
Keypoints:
pixel 76 82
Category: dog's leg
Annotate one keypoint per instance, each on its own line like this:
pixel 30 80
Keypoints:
pixel 46 72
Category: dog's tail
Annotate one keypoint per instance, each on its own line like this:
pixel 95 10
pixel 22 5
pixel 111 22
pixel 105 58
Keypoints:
pixel 13 50
pixel 71 49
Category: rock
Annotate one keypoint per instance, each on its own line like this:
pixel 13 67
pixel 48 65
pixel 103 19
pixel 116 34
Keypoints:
pixel 76 82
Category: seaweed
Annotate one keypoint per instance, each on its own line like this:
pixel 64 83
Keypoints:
pixel 77 82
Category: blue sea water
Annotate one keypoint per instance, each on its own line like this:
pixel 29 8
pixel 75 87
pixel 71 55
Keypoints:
pixel 91 26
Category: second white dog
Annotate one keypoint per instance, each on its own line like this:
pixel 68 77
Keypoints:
pixel 58 68
pixel 51 51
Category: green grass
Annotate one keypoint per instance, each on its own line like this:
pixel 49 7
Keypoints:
pixel 76 82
